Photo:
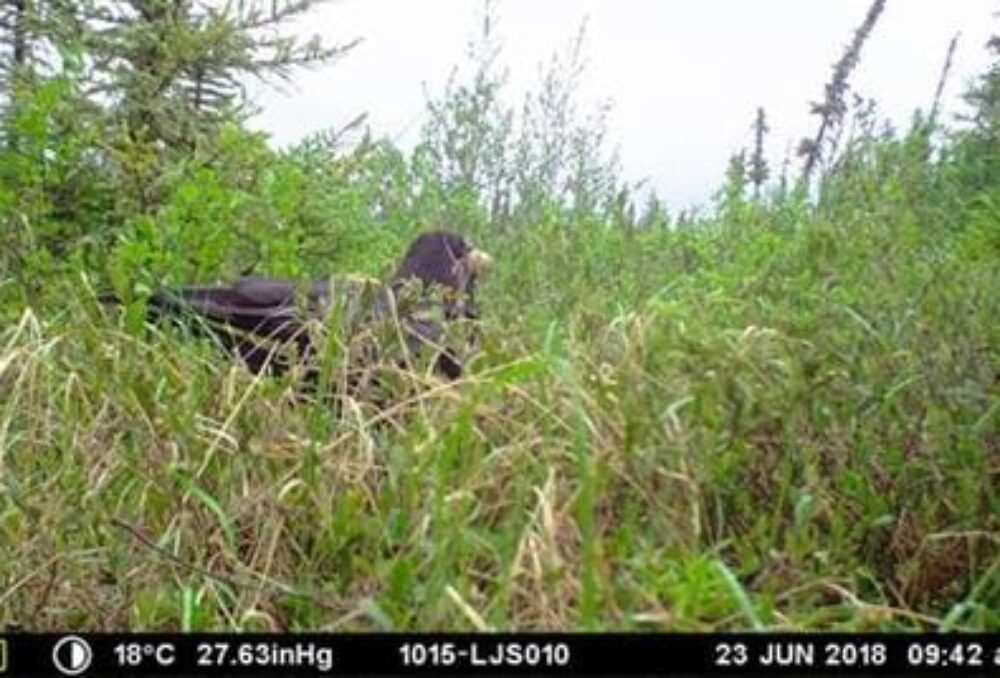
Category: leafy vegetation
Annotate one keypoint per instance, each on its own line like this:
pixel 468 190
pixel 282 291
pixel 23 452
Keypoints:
pixel 783 413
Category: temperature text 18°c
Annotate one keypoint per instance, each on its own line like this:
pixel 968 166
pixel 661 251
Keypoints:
pixel 139 654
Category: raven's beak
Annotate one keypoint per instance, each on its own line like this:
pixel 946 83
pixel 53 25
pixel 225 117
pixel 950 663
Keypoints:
pixel 478 261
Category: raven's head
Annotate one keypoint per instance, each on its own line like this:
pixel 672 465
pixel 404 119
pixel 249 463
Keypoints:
pixel 450 261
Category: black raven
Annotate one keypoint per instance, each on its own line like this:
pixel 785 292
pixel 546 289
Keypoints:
pixel 267 322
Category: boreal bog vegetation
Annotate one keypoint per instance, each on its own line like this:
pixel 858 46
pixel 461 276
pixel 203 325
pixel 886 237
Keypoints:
pixel 780 411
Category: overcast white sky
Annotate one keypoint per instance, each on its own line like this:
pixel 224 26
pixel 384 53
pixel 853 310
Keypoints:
pixel 684 76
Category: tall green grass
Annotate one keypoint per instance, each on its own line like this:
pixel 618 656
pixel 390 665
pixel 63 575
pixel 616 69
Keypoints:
pixel 786 422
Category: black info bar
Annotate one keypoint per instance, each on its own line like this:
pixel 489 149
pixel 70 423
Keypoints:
pixel 81 654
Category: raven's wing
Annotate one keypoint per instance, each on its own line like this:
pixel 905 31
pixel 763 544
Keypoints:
pixel 255 317
pixel 266 307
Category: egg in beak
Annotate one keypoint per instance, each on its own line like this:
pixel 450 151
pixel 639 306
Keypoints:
pixel 478 262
